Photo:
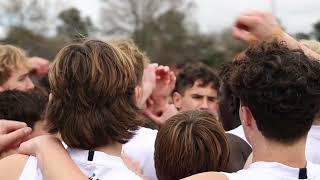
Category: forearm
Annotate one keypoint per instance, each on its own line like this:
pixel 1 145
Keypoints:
pixel 55 163
pixel 294 44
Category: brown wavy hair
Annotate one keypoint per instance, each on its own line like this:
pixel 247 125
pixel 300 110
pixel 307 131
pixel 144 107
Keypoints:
pixel 93 95
pixel 189 143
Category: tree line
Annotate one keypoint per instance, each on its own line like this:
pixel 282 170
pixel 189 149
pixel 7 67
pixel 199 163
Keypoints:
pixel 164 29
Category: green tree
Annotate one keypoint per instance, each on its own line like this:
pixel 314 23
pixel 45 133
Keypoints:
pixel 73 26
pixel 30 14
pixel 316 28
pixel 302 35
pixel 34 44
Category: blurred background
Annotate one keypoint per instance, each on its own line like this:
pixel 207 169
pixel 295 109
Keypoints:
pixel 169 31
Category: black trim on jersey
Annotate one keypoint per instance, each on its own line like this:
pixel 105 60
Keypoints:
pixel 303 173
pixel 90 155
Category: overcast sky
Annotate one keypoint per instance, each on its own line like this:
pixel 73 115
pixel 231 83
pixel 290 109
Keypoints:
pixel 215 15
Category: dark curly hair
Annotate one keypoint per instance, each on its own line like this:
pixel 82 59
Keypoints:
pixel 192 72
pixel 281 87
pixel 28 107
pixel 228 103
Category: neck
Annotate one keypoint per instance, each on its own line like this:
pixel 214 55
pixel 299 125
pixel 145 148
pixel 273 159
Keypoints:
pixel 114 149
pixel 275 152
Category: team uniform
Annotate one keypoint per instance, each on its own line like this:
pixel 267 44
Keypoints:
pixel 94 164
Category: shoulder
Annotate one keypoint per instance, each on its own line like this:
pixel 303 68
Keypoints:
pixel 313 169
pixel 12 166
pixel 239 144
pixel 144 131
pixel 208 175
pixel 144 138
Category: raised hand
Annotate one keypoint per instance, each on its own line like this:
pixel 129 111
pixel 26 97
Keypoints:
pixel 169 111
pixel 252 26
pixel 40 66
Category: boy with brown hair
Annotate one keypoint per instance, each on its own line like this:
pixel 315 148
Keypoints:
pixel 190 142
pixel 92 107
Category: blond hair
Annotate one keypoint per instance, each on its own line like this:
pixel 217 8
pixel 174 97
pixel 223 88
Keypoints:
pixel 139 59
pixel 312 44
pixel 11 58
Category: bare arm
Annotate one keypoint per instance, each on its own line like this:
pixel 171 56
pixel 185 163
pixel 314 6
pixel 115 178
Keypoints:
pixel 11 167
pixel 54 161
pixel 253 26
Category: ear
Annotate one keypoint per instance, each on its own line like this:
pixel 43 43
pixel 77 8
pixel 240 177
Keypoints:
pixel 246 116
pixel 50 97
pixel 176 98
pixel 138 95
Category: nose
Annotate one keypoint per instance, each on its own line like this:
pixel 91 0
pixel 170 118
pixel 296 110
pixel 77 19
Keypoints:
pixel 204 105
pixel 29 84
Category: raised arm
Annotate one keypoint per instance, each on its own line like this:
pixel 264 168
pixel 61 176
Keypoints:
pixel 253 26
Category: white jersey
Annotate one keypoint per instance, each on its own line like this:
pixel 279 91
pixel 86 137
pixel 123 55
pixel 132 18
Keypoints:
pixel 141 149
pixel 276 171
pixel 239 132
pixel 94 164
pixel 313 145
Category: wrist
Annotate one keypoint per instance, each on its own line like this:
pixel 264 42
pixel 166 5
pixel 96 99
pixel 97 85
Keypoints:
pixel 46 145
pixel 290 41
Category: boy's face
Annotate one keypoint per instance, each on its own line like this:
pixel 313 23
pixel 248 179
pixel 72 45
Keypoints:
pixel 19 80
pixel 197 97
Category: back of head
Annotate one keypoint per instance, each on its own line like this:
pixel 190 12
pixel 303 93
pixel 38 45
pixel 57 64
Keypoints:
pixel 190 73
pixel 11 58
pixel 281 87
pixel 189 143
pixel 228 103
pixel 28 107
pixel 93 95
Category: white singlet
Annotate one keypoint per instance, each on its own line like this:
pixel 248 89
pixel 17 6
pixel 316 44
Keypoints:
pixel 276 171
pixel 94 164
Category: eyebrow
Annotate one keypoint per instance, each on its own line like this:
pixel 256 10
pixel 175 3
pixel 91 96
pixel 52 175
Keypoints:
pixel 24 75
pixel 212 96
pixel 195 94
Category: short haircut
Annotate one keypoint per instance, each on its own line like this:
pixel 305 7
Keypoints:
pixel 28 107
pixel 140 59
pixel 281 87
pixel 189 143
pixel 93 103
pixel 192 72
pixel 228 102
pixel 11 58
